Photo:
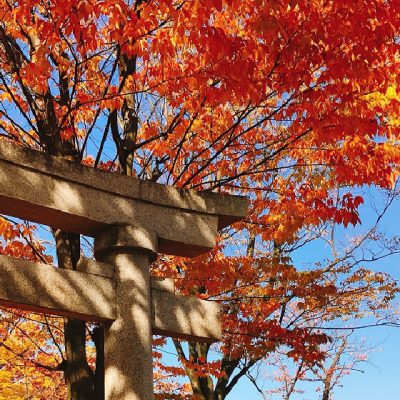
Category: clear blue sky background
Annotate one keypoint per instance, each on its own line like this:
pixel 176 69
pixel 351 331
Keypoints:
pixel 381 381
pixel 381 378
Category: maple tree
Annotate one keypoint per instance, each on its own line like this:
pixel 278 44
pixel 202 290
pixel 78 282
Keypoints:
pixel 291 103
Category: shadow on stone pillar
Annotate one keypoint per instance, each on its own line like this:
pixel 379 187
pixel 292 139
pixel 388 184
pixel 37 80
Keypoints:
pixel 128 365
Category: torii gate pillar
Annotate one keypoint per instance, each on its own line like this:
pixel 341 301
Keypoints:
pixel 130 250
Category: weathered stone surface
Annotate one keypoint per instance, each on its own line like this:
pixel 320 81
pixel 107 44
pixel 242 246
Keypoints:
pixel 199 317
pixel 127 343
pixel 45 288
pixel 89 266
pixel 162 284
pixel 89 294
pixel 228 208
pixel 125 237
pixel 56 192
pixel 128 362
pixel 195 317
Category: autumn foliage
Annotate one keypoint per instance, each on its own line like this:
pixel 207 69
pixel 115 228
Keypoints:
pixel 294 104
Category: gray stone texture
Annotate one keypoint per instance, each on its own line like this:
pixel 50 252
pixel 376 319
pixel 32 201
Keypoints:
pixel 128 362
pixel 45 288
pixel 195 318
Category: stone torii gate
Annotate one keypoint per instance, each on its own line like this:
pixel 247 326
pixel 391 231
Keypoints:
pixel 131 221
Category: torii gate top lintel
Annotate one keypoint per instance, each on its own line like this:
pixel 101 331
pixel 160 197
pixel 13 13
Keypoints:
pixel 57 192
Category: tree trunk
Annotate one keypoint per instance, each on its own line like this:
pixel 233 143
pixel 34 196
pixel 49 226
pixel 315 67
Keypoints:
pixel 202 386
pixel 78 375
pixel 326 394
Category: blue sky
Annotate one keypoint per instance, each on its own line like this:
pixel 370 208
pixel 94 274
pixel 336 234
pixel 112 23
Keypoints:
pixel 380 379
